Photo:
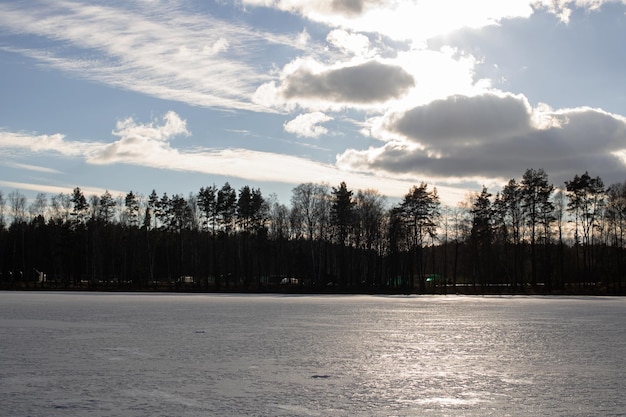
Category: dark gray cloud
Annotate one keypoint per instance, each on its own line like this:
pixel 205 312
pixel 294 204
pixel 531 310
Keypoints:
pixel 578 140
pixel 461 119
pixel 370 82
pixel 352 7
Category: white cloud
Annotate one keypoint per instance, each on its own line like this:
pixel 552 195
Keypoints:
pixel 220 45
pixel 173 126
pixel 308 125
pixel 139 140
pixel 563 8
pixel 303 38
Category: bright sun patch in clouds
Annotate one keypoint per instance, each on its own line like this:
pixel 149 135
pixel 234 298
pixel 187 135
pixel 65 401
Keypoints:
pixel 391 92
pixel 403 20
pixel 351 43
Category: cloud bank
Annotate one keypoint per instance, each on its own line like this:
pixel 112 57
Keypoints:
pixel 494 137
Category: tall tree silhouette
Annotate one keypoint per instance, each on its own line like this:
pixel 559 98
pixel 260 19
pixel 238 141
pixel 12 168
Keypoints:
pixel 131 209
pixel 420 209
pixel 586 200
pixel 342 217
pixel 310 206
pixel 80 205
pixel 536 193
pixel 369 226
pixel 482 237
pixel 511 203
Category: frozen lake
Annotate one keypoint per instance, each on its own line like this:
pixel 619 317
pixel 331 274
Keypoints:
pixel 97 354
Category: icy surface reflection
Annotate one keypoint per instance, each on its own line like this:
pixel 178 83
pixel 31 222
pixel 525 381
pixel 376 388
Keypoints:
pixel 189 355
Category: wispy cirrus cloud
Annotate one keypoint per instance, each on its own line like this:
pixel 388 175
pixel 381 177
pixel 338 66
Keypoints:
pixel 58 189
pixel 152 49
pixel 55 143
pixel 30 167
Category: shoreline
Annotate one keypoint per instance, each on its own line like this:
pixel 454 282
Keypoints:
pixel 574 290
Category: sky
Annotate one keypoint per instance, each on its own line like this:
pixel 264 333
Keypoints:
pixel 382 94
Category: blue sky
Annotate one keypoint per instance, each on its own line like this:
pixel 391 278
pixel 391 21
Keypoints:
pixel 384 94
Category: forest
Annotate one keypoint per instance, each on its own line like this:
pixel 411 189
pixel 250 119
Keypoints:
pixel 529 237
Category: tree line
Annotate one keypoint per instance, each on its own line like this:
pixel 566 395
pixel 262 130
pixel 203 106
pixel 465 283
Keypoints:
pixel 528 237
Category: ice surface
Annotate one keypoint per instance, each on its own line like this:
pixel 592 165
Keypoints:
pixel 76 354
